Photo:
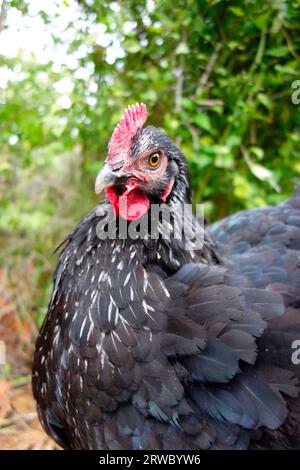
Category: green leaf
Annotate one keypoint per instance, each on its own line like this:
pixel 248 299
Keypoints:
pixel 241 187
pixel 188 104
pixel 133 47
pixel 258 152
pixel 280 51
pixel 182 48
pixel 203 121
pixel 264 100
pixel 261 172
pixel 224 161
pixel 237 11
pixel 233 141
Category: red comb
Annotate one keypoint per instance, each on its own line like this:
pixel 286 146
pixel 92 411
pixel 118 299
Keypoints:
pixel 133 119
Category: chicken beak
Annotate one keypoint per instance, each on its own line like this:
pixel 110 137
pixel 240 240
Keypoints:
pixel 105 178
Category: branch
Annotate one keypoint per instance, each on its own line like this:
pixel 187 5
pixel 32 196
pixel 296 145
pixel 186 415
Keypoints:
pixel 195 135
pixel 179 85
pixel 3 15
pixel 210 102
pixel 208 69
pixel 179 88
pixel 290 44
pixel 261 49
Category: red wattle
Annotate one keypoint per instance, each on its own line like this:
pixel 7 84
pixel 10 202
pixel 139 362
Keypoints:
pixel 113 198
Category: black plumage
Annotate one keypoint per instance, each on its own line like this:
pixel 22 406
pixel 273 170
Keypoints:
pixel 147 345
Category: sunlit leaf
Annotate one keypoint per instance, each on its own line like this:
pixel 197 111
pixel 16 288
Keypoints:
pixel 203 121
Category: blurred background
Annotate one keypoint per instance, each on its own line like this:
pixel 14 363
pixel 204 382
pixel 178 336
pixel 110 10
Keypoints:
pixel 222 78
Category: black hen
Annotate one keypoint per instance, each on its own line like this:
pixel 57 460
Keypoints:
pixel 151 344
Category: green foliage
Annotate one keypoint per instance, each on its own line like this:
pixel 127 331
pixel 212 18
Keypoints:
pixel 216 76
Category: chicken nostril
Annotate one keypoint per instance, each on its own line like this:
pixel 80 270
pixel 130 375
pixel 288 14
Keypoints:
pixel 116 166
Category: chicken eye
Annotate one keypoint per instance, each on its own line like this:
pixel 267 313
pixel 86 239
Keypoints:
pixel 154 159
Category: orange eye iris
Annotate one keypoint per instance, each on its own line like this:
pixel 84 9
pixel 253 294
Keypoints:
pixel 154 160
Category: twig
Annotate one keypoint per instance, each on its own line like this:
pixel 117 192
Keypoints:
pixel 194 134
pixel 280 94
pixel 179 89
pixel 208 69
pixel 17 418
pixel 3 15
pixel 209 103
pixel 290 44
pixel 261 49
pixel 179 85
